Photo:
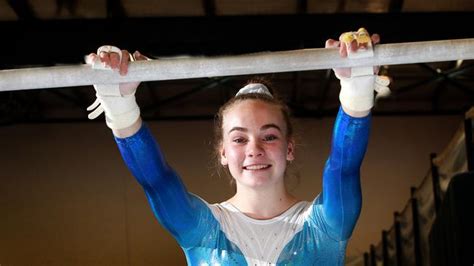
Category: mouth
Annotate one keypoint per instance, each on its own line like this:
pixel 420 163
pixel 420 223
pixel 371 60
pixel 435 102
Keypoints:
pixel 255 167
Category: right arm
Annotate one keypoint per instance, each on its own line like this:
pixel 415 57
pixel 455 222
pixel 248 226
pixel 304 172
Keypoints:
pixel 128 131
pixel 184 215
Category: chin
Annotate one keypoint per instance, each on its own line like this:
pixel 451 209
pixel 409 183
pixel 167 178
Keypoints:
pixel 256 181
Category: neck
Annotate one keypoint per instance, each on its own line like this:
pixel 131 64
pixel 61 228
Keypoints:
pixel 262 203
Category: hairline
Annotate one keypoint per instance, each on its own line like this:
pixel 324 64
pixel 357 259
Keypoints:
pixel 262 128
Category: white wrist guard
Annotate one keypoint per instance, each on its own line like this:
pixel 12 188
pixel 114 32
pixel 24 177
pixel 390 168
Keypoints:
pixel 121 111
pixel 357 91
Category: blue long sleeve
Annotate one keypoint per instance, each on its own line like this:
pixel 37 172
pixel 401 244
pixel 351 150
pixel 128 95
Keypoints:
pixel 203 230
pixel 341 196
pixel 184 215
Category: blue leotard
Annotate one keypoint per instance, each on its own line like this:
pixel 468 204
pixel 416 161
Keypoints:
pixel 324 225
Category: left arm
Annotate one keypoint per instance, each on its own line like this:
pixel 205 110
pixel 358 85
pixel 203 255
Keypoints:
pixel 338 206
pixel 341 197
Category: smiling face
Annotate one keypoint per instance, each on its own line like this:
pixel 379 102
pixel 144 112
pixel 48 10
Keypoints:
pixel 255 146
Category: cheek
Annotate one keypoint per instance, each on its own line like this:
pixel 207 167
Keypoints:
pixel 234 161
pixel 233 154
pixel 281 154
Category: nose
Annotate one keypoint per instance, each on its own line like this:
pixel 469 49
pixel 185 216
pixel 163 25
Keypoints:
pixel 254 149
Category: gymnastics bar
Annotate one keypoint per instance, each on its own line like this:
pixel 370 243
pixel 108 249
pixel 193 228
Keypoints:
pixel 256 63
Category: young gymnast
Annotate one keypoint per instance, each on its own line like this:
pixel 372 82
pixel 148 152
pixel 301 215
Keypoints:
pixel 262 224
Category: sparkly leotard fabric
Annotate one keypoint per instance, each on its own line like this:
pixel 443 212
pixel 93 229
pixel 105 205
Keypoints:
pixel 309 233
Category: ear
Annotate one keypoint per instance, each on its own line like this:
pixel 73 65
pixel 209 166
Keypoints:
pixel 224 161
pixel 290 153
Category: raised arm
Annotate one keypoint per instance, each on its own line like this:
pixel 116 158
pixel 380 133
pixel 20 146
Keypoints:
pixel 341 196
pixel 341 200
pixel 184 215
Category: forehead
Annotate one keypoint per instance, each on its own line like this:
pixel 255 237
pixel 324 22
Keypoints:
pixel 253 113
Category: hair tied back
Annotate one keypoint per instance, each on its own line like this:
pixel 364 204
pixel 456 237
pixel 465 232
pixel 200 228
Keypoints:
pixel 254 88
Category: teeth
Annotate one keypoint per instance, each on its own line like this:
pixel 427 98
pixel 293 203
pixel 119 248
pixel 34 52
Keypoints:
pixel 257 167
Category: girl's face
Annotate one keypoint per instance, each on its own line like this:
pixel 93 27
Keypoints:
pixel 255 145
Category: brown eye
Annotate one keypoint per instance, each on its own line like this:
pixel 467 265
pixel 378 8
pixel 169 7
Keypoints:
pixel 270 138
pixel 239 140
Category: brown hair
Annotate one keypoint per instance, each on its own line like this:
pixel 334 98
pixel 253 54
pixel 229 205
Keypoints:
pixel 218 119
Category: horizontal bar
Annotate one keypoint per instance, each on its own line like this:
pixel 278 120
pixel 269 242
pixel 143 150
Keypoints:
pixel 257 63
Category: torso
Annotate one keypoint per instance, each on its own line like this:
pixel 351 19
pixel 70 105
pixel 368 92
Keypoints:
pixel 292 238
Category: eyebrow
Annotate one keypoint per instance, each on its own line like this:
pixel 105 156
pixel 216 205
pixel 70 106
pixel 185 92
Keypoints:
pixel 267 126
pixel 264 127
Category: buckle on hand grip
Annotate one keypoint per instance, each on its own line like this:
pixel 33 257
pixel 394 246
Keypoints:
pixel 365 49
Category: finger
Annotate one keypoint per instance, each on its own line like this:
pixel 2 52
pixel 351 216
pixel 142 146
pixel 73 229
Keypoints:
pixel 104 58
pixel 354 46
pixel 331 43
pixel 124 63
pixel 375 38
pixel 343 49
pixel 90 59
pixel 114 60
